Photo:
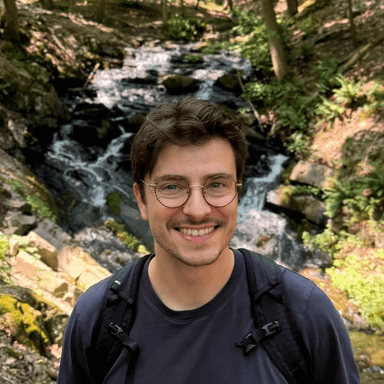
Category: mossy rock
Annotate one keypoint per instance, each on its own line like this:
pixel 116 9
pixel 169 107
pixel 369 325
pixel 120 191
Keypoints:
pixel 25 323
pixel 49 321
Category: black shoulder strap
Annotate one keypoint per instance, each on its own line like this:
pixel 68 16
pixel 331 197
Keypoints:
pixel 275 327
pixel 118 315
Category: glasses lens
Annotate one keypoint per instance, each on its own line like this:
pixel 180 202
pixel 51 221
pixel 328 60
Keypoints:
pixel 219 192
pixel 172 193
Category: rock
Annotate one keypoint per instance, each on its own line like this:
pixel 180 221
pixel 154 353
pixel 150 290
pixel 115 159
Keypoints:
pixel 81 266
pixel 24 322
pixel 53 234
pixel 53 320
pixel 312 174
pixel 229 81
pixel 47 252
pixel 44 276
pixel 23 180
pixel 271 235
pixel 19 224
pixel 309 206
pixel 177 84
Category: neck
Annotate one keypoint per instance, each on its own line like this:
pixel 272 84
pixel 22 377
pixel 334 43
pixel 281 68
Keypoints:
pixel 182 287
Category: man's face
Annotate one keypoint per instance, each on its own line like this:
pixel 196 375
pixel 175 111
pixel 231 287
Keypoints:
pixel 195 164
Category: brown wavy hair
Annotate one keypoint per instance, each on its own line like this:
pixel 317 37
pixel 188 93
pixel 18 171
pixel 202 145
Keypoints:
pixel 186 121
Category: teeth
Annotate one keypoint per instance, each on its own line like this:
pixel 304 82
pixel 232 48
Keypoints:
pixel 195 232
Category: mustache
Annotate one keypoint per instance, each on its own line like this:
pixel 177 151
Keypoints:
pixel 172 223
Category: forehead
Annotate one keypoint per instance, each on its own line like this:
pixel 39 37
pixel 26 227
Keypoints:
pixel 192 161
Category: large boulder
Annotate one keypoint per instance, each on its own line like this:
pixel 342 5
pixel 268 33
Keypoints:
pixel 79 265
pixel 18 223
pixel 53 234
pixel 177 84
pixel 47 252
pixel 312 208
pixel 317 175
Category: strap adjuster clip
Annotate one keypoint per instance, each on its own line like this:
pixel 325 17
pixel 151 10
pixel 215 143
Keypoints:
pixel 115 329
pixel 271 328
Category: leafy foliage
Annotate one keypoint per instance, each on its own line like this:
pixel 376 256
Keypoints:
pixel 182 28
pixel 327 70
pixel 114 201
pixel 4 266
pixel 256 45
pixel 349 91
pixel 128 239
pixel 355 276
pixel 40 208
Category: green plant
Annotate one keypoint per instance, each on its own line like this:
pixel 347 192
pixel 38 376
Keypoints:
pixel 327 71
pixel 128 239
pixel 193 58
pixel 362 280
pixel 40 208
pixel 179 27
pixel 15 184
pixel 330 109
pixel 114 201
pixel 256 45
pixel 306 52
pixel 308 26
pixel 5 268
pixel 349 91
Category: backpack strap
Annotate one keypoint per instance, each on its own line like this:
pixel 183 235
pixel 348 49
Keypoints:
pixel 275 326
pixel 117 317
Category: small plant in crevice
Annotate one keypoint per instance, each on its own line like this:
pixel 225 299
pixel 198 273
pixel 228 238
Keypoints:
pixel 40 208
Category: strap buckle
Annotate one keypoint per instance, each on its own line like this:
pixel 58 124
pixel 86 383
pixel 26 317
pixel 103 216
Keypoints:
pixel 115 329
pixel 271 328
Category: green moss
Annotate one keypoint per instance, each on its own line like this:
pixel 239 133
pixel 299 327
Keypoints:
pixel 28 322
pixel 114 201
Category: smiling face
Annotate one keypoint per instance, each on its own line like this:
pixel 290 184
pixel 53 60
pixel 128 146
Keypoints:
pixel 195 234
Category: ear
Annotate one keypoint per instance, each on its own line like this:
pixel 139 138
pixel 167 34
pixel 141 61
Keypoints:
pixel 140 203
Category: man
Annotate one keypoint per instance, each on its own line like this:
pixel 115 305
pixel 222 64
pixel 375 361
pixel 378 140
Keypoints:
pixel 193 306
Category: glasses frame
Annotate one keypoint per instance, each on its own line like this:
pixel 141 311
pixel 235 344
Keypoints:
pixel 153 185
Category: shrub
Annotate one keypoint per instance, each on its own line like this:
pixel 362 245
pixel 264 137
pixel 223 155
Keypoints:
pixel 182 28
pixel 327 70
pixel 40 208
pixel 362 280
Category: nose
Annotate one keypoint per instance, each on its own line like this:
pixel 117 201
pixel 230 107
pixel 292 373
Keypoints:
pixel 196 207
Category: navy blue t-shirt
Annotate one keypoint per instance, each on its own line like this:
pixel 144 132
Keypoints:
pixel 199 346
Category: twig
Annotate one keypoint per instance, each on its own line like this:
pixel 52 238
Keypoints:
pixel 90 77
pixel 250 103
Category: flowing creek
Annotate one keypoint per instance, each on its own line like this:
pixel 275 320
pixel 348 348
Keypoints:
pixel 88 159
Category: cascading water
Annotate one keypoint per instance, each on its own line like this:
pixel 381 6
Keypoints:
pixel 89 158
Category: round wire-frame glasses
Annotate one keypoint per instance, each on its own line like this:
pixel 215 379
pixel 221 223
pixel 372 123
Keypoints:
pixel 217 191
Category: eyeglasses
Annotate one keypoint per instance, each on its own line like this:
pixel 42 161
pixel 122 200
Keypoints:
pixel 218 191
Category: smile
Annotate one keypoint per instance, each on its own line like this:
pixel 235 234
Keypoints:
pixel 195 232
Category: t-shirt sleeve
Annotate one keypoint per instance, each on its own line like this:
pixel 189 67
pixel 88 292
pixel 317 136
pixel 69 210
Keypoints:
pixel 78 363
pixel 328 342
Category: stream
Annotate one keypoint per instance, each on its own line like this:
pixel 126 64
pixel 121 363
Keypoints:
pixel 88 158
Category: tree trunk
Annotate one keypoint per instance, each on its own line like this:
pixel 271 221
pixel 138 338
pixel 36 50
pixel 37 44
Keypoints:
pixel 292 7
pixel 352 27
pixel 182 8
pixel 275 45
pixel 165 13
pixel 100 12
pixel 11 21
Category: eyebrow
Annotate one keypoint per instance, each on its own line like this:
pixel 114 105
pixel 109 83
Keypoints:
pixel 180 177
